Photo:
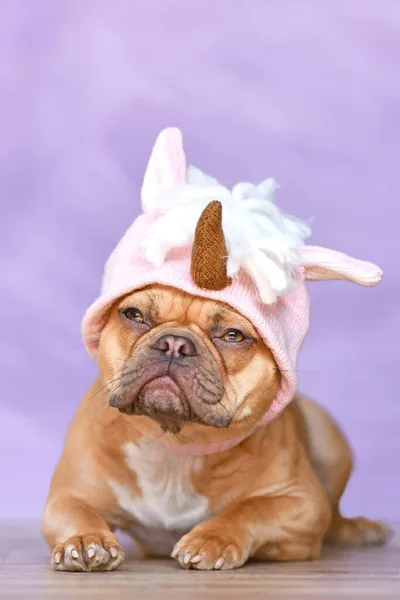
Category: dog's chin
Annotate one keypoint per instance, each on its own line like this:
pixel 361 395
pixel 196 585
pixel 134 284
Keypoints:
pixel 162 400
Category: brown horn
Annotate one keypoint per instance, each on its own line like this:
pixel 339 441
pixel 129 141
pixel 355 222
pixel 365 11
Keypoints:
pixel 209 254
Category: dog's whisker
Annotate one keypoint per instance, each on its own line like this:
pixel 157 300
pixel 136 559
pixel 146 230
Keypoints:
pixel 157 437
pixel 178 438
pixel 224 408
pixel 115 358
pixel 108 383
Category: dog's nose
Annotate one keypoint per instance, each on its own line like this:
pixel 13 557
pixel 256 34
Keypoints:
pixel 175 346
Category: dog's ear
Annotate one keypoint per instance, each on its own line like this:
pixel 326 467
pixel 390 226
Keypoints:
pixel 166 167
pixel 323 264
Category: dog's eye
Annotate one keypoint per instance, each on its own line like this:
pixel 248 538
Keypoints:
pixel 133 314
pixel 233 335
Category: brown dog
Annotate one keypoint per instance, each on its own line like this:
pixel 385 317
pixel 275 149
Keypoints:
pixel 176 369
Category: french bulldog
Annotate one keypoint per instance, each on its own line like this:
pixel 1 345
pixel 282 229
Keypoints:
pixel 177 372
pixel 193 439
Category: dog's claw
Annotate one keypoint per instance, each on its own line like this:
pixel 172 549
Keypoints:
pixel 197 558
pixel 219 563
pixel 88 553
pixel 204 550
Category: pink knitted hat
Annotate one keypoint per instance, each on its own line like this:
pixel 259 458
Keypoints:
pixel 266 258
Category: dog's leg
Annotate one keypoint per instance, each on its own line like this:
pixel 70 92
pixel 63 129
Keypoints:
pixel 286 528
pixel 80 538
pixel 332 460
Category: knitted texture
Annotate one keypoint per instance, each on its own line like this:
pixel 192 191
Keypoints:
pixel 200 269
pixel 282 325
pixel 166 172
pixel 209 254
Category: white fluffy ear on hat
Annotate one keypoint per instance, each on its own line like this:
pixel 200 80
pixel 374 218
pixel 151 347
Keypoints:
pixel 323 264
pixel 166 167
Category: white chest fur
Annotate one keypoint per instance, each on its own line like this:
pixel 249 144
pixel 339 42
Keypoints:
pixel 168 505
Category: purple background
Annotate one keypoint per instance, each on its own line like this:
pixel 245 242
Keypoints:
pixel 305 91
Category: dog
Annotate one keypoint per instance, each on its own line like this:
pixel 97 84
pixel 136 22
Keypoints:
pixel 178 369
pixel 194 439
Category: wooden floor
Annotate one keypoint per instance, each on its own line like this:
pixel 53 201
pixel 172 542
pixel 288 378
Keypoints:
pixel 367 573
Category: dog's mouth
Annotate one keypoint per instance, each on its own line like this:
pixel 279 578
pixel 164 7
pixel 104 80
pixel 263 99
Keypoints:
pixel 164 401
pixel 173 381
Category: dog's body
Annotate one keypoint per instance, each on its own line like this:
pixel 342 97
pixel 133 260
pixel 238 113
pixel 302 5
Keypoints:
pixel 169 362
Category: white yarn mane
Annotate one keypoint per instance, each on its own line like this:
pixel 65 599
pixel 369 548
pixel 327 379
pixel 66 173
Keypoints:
pixel 260 239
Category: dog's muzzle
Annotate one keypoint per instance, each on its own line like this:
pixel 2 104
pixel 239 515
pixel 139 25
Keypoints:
pixel 173 378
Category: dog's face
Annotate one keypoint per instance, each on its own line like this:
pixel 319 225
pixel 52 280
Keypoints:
pixel 181 359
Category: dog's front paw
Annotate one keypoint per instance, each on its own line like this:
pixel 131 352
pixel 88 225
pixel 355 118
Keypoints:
pixel 90 552
pixel 208 548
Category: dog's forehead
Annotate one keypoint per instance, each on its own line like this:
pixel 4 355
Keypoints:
pixel 167 303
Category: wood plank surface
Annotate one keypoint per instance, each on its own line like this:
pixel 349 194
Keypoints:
pixel 371 573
